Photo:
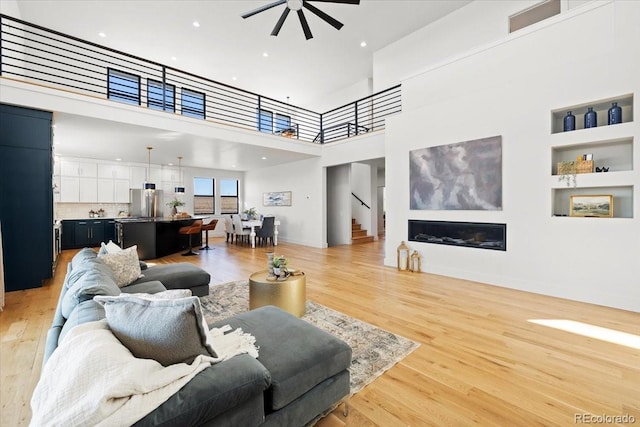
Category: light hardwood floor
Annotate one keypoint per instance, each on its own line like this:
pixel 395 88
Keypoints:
pixel 481 361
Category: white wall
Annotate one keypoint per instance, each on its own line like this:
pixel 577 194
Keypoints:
pixel 339 205
pixel 338 98
pixel 304 221
pixel 509 89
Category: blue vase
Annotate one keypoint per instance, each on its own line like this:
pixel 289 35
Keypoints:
pixel 569 122
pixel 615 114
pixel 590 118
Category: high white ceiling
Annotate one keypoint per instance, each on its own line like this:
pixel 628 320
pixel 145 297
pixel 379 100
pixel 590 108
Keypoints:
pixel 229 49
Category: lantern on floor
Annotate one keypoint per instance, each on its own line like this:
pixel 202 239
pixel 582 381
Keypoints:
pixel 403 256
pixel 414 265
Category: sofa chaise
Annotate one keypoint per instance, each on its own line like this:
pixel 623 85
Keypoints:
pixel 301 372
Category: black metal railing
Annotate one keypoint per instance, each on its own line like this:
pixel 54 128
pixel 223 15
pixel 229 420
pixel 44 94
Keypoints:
pixel 36 54
pixel 361 202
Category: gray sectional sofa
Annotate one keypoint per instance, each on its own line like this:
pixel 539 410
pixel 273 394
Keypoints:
pixel 300 374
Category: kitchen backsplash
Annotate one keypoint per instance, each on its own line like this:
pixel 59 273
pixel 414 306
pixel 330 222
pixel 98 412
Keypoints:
pixel 81 210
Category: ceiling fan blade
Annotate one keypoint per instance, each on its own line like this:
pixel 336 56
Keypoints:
pixel 263 8
pixel 334 22
pixel 339 1
pixel 305 25
pixel 278 26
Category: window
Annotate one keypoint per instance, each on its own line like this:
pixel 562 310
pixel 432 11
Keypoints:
pixel 192 104
pixel 265 121
pixel 203 196
pixel 154 96
pixel 282 122
pixel 123 87
pixel 229 196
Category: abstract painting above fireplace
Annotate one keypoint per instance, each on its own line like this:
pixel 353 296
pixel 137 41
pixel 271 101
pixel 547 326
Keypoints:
pixel 462 176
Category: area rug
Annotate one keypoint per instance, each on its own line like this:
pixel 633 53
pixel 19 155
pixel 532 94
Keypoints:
pixel 374 350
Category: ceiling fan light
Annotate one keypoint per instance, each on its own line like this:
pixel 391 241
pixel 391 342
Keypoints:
pixel 294 4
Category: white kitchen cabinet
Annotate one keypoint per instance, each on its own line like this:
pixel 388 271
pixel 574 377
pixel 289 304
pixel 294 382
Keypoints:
pixel 137 176
pixel 88 190
pixel 78 168
pixel 69 189
pixel 115 171
pixel 113 190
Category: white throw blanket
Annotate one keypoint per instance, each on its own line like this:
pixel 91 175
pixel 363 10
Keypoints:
pixel 92 379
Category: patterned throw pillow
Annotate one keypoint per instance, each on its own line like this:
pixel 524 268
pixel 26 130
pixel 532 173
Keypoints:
pixel 124 264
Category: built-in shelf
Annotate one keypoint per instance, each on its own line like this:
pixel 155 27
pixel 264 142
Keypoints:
pixel 622 199
pixel 609 146
pixel 601 107
pixel 614 154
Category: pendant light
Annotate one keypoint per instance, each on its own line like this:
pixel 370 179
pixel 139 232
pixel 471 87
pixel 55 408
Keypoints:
pixel 179 188
pixel 149 185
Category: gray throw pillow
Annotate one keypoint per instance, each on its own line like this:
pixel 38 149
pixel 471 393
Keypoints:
pixel 169 331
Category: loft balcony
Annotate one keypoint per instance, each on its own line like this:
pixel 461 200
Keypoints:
pixel 33 54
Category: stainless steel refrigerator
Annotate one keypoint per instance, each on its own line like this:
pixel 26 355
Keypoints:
pixel 146 203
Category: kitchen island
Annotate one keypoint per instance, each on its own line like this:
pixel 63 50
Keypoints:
pixel 155 237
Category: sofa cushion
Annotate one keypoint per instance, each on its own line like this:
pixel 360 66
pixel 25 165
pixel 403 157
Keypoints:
pixel 213 393
pixel 145 287
pixel 182 275
pixel 90 281
pixel 167 330
pixel 124 264
pixel 298 355
pixel 87 311
pixel 82 256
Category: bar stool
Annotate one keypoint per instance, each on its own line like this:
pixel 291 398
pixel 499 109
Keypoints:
pixel 206 227
pixel 190 230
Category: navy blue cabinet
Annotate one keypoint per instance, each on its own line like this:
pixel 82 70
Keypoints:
pixel 89 233
pixel 26 196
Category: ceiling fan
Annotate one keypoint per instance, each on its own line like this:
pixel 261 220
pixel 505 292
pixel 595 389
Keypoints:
pixel 297 6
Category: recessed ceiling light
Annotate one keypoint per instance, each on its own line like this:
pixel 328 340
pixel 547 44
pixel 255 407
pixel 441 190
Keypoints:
pixel 265 54
pixel 101 34
pixel 363 44
pixel 264 158
pixel 234 78
pixel 233 166
pixel 118 159
pixel 196 24
pixel 169 164
pixel 173 58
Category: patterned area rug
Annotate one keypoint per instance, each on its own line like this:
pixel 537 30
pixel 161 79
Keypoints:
pixel 374 350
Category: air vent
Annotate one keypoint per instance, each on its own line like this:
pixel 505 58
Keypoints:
pixel 537 13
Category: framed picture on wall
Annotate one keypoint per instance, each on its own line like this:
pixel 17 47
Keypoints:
pixel 591 206
pixel 276 198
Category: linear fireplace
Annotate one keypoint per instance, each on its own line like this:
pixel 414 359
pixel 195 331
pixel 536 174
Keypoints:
pixel 482 235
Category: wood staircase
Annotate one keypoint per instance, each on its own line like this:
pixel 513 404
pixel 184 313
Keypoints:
pixel 358 235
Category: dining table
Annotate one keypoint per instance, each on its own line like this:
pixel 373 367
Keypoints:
pixel 253 223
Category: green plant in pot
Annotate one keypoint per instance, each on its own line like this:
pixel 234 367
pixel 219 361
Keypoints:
pixel 251 213
pixel 174 204
pixel 279 265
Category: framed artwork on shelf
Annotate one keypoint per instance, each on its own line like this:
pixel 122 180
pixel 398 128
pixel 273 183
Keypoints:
pixel 276 198
pixel 591 206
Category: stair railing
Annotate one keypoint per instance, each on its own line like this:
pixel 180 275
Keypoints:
pixel 361 202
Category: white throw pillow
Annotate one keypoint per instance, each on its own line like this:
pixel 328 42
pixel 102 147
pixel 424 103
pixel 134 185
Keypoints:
pixel 109 248
pixel 124 264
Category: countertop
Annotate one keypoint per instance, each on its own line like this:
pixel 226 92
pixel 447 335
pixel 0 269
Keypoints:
pixel 162 219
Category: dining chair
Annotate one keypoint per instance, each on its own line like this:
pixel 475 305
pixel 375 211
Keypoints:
pixel 266 232
pixel 239 231
pixel 228 227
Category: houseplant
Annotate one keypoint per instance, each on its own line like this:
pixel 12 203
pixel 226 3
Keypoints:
pixel 279 265
pixel 174 205
pixel 251 213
